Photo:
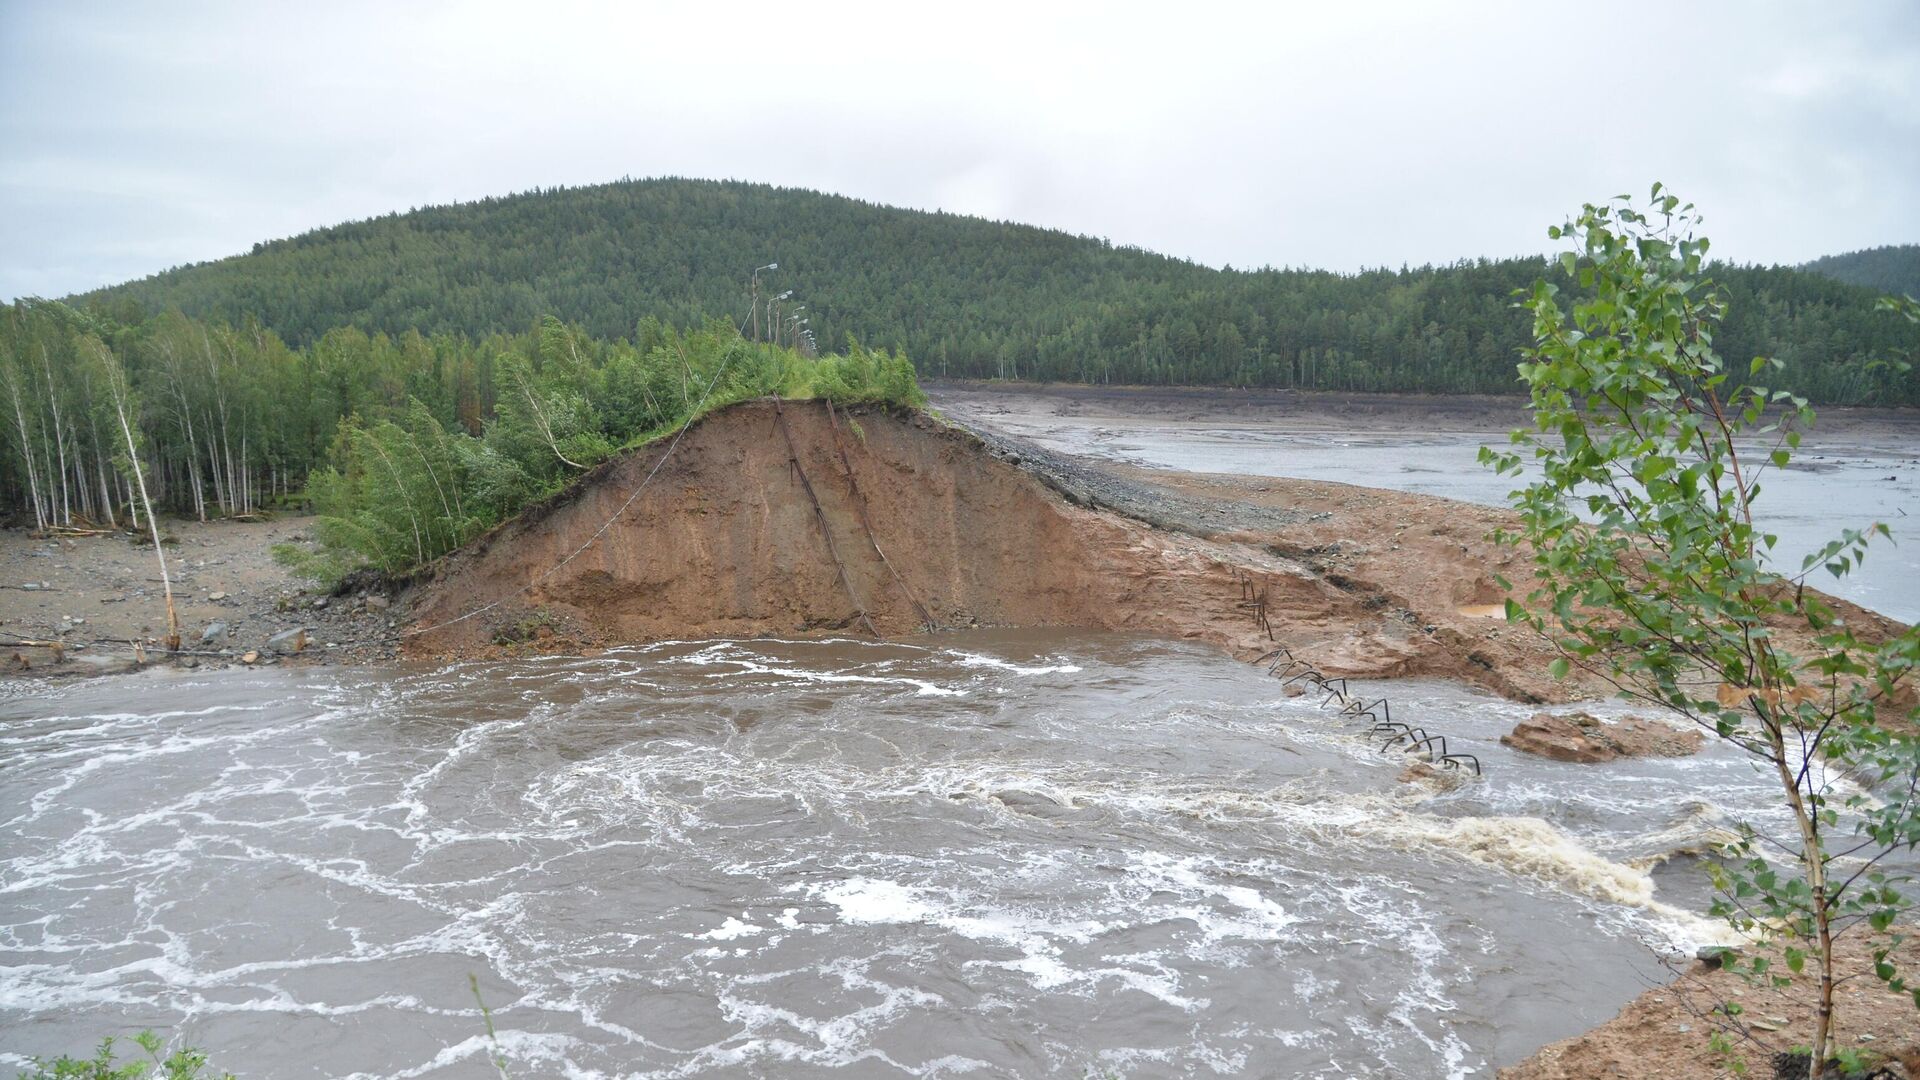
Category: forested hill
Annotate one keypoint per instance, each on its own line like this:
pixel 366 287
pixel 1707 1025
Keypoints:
pixel 963 296
pixel 1891 269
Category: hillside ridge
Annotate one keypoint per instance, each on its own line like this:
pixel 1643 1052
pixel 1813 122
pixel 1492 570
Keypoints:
pixel 963 296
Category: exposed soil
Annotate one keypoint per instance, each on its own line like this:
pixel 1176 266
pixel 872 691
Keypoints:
pixel 1663 1034
pixel 95 594
pixel 1579 737
pixel 727 542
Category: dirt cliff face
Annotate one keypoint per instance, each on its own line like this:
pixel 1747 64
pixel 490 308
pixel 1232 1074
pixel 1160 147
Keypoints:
pixel 790 519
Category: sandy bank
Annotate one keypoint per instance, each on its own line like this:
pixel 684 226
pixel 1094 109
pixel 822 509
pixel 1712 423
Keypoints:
pixel 783 520
pixel 1662 1034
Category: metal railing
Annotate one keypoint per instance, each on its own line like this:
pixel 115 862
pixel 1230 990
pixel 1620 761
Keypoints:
pixel 1293 671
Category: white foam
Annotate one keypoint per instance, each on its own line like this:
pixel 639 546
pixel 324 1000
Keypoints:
pixel 869 901
pixel 968 659
pixel 731 929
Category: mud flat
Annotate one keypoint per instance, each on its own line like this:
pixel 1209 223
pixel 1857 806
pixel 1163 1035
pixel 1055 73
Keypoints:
pixel 1858 466
pixel 98 592
pixel 1319 410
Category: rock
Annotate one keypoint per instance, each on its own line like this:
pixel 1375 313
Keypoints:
pixel 214 632
pixel 379 603
pixel 31 587
pixel 319 602
pixel 288 642
pixel 1583 739
pixel 1714 956
pixel 250 657
pixel 1295 690
pixel 216 596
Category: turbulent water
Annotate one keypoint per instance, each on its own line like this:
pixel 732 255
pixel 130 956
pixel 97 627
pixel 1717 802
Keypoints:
pixel 969 855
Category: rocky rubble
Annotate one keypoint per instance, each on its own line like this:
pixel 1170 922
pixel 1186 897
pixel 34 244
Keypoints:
pixel 97 595
pixel 1585 739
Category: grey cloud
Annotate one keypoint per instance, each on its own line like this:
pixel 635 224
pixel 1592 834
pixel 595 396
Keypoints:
pixel 139 137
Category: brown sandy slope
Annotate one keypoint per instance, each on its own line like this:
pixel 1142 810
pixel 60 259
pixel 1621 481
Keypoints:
pixel 726 542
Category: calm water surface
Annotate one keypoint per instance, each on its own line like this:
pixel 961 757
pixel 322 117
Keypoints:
pixel 983 855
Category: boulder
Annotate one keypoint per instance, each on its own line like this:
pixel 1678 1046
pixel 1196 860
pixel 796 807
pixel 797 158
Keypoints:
pixel 288 642
pixel 1580 738
pixel 213 633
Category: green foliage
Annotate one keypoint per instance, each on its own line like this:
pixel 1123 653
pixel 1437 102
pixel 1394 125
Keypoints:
pixel 184 1064
pixel 862 376
pixel 964 296
pixel 1651 574
pixel 497 1058
pixel 401 491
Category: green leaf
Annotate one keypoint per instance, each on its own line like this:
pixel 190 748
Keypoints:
pixel 1558 669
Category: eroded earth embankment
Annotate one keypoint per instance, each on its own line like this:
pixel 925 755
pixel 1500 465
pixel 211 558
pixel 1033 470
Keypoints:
pixel 791 519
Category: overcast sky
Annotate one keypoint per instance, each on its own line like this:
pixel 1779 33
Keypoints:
pixel 134 138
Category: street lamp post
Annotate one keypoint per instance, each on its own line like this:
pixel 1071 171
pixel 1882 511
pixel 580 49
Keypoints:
pixel 753 301
pixel 773 316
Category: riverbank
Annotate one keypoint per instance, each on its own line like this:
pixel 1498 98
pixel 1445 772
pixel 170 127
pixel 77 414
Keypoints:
pixel 779 520
pixel 1663 1033
pixel 98 593
pixel 752 533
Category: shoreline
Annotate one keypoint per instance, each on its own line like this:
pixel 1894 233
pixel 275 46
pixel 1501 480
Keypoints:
pixel 1419 558
pixel 1330 410
pixel 97 592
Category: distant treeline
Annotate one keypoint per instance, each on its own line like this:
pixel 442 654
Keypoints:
pixel 1894 269
pixel 406 445
pixel 965 296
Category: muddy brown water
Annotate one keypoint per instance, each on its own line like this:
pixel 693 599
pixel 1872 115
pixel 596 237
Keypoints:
pixel 983 854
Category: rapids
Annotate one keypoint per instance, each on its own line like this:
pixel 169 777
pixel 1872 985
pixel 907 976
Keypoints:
pixel 980 854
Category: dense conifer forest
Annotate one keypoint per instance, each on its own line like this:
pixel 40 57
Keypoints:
pixel 964 296
pixel 1893 269
pixel 418 377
